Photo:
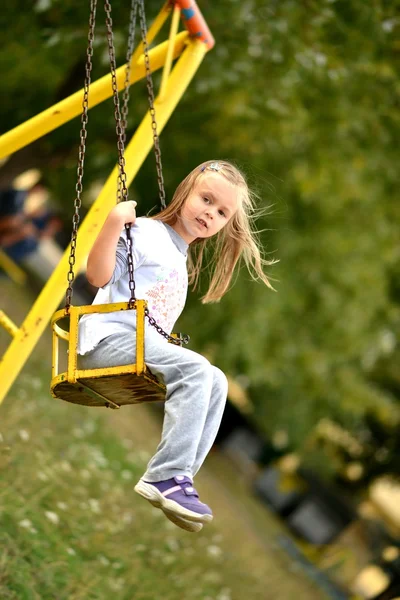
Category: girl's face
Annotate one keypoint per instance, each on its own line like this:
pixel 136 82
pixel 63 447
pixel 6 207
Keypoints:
pixel 208 208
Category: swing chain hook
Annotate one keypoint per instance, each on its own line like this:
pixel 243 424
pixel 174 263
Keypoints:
pixel 81 154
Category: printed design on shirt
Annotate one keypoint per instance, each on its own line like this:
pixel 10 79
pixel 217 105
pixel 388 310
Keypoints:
pixel 166 298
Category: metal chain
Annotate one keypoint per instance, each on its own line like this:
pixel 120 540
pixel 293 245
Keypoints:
pixel 178 341
pixel 81 154
pixel 121 121
pixel 127 84
pixel 150 90
pixel 183 338
pixel 120 129
pixel 122 180
pixel 117 111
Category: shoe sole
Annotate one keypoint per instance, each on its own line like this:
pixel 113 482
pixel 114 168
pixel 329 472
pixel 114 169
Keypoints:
pixel 170 507
pixel 184 523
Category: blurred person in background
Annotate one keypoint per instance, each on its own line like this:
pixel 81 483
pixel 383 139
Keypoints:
pixel 31 231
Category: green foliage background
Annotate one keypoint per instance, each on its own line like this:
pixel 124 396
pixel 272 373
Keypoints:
pixel 304 96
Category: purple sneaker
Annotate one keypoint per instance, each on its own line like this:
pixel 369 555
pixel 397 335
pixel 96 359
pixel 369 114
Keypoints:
pixel 177 498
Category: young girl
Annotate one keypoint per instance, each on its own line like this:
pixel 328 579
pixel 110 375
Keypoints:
pixel 213 201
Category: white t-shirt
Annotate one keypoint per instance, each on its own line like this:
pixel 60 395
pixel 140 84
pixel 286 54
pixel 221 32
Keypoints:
pixel 160 273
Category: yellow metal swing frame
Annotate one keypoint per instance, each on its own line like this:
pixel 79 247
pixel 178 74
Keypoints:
pixel 189 48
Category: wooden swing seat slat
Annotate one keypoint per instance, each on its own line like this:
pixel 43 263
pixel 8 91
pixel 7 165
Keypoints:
pixel 110 391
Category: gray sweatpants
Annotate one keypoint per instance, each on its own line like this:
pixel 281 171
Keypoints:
pixel 195 401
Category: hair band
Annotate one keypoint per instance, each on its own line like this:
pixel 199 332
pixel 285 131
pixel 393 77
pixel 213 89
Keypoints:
pixel 215 166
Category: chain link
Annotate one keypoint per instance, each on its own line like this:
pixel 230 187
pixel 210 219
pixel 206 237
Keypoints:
pixel 81 154
pixel 150 91
pixel 182 338
pixel 127 84
pixel 120 131
pixel 117 111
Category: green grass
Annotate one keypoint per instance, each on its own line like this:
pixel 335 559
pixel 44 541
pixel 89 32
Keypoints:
pixel 71 526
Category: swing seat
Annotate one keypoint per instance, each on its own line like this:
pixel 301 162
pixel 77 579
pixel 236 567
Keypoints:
pixel 111 387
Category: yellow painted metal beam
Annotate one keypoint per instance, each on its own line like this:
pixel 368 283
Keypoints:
pixel 71 107
pixel 13 270
pixel 170 52
pixel 47 302
pixel 7 324
pixel 73 344
pixel 154 29
pixel 140 318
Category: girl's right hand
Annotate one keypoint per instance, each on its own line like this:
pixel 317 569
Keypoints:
pixel 125 211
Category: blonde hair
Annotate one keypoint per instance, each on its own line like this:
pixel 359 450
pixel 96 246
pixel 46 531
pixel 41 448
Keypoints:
pixel 237 240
